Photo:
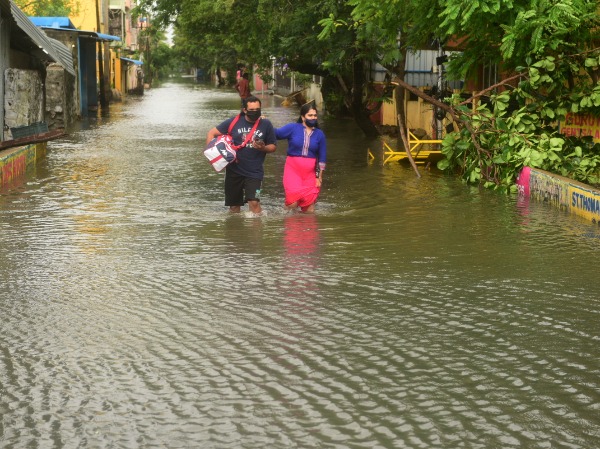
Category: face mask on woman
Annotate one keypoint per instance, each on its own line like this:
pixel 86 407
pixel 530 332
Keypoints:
pixel 311 122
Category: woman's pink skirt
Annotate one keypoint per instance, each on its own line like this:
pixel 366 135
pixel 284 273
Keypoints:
pixel 299 181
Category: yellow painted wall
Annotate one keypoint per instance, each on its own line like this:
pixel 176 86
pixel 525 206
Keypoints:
pixel 85 19
pixel 116 72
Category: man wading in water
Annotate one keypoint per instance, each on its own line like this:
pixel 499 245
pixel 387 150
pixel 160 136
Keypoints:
pixel 243 177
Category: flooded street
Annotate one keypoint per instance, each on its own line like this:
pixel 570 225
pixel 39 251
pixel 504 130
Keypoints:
pixel 136 312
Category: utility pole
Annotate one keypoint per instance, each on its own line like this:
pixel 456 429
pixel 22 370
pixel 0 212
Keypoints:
pixel 148 57
pixel 146 34
pixel 103 102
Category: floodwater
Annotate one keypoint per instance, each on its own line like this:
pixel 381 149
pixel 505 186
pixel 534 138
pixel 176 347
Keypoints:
pixel 135 312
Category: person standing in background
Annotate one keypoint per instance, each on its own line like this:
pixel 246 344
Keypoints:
pixel 241 70
pixel 306 159
pixel 243 87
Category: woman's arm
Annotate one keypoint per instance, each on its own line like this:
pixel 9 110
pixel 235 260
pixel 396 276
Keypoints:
pixel 284 132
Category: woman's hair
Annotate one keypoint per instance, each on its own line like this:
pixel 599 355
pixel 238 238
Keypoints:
pixel 305 108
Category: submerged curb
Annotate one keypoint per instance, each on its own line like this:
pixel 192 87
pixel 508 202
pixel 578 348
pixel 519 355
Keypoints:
pixel 16 161
pixel 575 197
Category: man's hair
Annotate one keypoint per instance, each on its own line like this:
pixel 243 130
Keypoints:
pixel 251 99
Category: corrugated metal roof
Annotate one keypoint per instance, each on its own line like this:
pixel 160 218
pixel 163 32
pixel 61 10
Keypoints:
pixel 45 48
pixel 65 54
pixel 85 34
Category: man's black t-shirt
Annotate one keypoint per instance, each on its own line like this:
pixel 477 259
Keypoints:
pixel 249 161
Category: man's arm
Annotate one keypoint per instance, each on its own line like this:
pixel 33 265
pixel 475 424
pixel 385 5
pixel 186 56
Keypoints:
pixel 262 145
pixel 265 148
pixel 212 134
pixel 270 148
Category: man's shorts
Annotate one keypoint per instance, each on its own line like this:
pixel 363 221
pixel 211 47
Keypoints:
pixel 241 189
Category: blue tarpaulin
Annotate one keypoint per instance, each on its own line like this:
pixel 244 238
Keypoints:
pixel 53 22
pixel 107 37
pixel 65 24
pixel 133 61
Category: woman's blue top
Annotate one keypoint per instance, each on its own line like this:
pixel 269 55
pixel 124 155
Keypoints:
pixel 301 144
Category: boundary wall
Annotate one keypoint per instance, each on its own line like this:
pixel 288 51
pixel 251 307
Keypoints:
pixel 15 162
pixel 564 193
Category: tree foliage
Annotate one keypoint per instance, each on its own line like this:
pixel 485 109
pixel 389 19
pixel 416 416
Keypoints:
pixel 551 49
pixel 48 8
pixel 546 51
pixel 223 33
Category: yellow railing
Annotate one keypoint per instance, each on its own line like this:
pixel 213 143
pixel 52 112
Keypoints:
pixel 416 149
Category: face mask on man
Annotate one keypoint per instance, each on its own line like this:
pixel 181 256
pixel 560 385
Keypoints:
pixel 253 115
pixel 311 123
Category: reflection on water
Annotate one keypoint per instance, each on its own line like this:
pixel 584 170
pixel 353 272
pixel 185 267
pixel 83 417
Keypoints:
pixel 302 245
pixel 406 313
pixel 301 238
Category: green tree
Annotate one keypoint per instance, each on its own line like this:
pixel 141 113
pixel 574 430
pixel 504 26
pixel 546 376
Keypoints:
pixel 223 33
pixel 153 49
pixel 164 61
pixel 201 34
pixel 546 50
pixel 380 33
pixel 48 8
pixel 549 53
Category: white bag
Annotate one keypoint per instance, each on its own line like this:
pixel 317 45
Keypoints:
pixel 220 152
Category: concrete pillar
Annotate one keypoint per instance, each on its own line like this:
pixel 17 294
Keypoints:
pixel 4 52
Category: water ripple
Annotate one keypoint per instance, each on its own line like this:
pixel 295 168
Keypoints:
pixel 408 313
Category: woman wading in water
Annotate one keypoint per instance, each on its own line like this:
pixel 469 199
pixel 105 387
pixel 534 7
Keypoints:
pixel 306 159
